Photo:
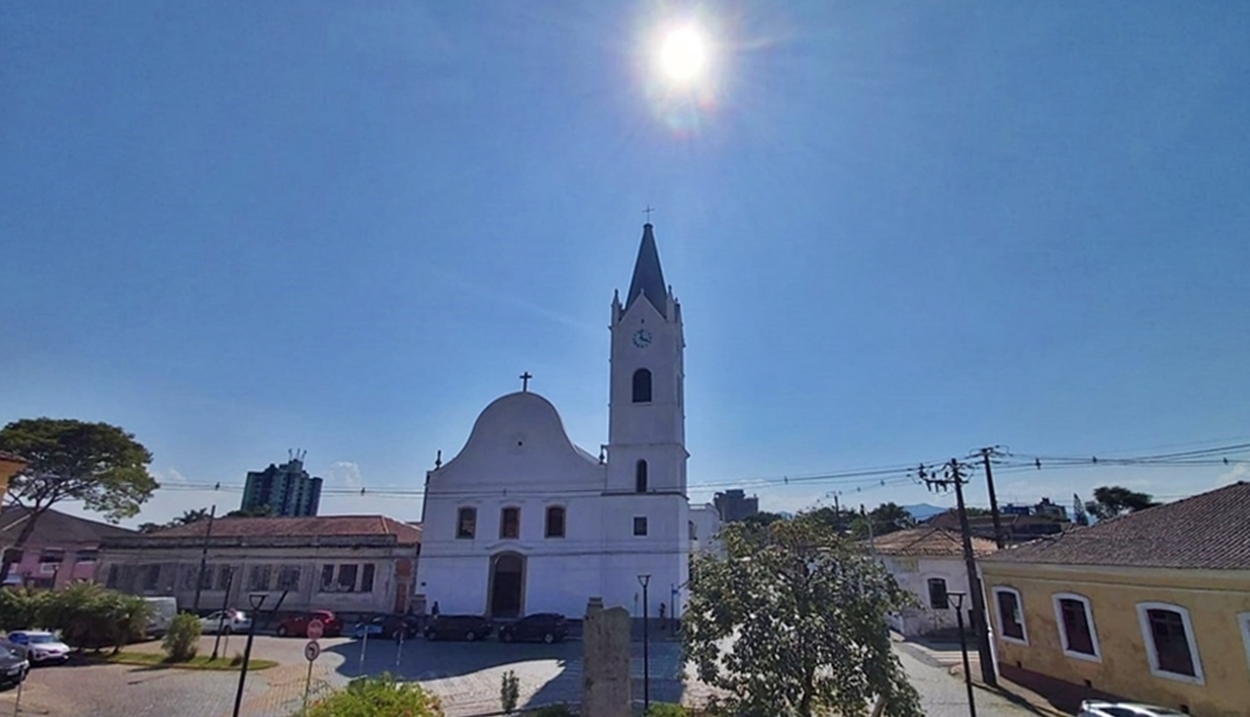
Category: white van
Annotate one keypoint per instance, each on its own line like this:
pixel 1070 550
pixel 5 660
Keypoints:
pixel 163 611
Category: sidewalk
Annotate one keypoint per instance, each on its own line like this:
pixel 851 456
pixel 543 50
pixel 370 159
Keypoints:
pixel 1047 700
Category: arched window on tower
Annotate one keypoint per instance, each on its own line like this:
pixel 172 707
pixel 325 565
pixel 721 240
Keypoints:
pixel 640 477
pixel 642 386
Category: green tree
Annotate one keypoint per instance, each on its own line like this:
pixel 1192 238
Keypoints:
pixel 762 518
pixel 886 518
pixel 790 622
pixel 378 697
pixel 97 464
pixel 1110 501
pixel 260 511
pixel 91 616
pixel 509 692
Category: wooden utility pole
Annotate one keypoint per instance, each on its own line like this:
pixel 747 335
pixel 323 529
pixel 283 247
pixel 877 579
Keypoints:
pixel 986 453
pixel 953 476
pixel 199 578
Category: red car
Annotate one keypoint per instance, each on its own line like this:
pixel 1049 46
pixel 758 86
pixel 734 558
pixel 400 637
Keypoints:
pixel 297 625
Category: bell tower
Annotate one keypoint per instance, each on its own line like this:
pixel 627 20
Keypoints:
pixel 646 416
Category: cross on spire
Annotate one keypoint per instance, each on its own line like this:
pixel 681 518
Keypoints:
pixel 648 211
pixel 525 381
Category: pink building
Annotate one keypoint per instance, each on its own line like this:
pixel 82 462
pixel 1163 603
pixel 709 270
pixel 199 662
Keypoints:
pixel 62 550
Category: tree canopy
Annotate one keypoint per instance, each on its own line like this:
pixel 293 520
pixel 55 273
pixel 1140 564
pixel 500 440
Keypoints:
pixel 1110 501
pixel 790 622
pixel 97 464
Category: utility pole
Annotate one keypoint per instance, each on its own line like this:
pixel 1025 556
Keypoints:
pixel 953 476
pixel 986 453
pixel 199 579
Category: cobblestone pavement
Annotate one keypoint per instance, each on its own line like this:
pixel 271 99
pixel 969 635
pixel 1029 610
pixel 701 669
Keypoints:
pixel 465 675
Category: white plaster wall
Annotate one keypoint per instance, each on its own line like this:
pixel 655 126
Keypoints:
pixel 921 620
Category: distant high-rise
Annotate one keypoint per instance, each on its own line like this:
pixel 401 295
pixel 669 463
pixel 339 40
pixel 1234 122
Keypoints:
pixel 735 505
pixel 285 490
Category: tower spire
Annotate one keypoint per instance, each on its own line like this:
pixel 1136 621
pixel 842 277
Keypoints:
pixel 648 279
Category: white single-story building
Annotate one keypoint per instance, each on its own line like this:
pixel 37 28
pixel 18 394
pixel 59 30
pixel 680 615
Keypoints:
pixel 929 563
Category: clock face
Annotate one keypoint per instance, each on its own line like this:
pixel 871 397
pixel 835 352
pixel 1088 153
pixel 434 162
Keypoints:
pixel 642 338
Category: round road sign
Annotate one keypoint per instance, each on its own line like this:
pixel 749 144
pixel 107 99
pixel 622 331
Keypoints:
pixel 312 650
pixel 316 629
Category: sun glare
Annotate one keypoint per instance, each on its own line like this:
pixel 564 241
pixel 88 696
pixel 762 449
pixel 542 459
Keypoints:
pixel 683 55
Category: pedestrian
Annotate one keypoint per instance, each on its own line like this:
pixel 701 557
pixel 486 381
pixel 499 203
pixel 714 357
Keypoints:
pixel 663 623
pixel 434 611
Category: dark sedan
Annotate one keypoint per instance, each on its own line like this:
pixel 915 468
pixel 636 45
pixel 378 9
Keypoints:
pixel 13 667
pixel 458 627
pixel 545 627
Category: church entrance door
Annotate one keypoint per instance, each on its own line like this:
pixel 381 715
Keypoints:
pixel 507 585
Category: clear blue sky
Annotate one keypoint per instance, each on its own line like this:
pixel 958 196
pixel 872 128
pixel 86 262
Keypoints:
pixel 899 231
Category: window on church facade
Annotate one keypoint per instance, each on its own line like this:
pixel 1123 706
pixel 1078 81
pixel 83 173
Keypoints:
pixel 510 523
pixel 640 525
pixel 555 521
pixel 642 386
pixel 640 477
pixel 466 523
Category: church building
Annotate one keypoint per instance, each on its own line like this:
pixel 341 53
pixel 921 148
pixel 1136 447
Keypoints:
pixel 522 520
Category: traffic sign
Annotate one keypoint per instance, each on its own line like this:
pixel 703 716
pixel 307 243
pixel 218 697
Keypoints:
pixel 316 629
pixel 312 650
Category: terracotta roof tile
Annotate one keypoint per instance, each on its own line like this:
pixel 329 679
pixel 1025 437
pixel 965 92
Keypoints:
pixel 322 525
pixel 55 527
pixel 930 542
pixel 1209 531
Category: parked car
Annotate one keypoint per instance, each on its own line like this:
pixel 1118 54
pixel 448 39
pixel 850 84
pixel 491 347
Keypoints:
pixel 41 648
pixel 13 667
pixel 545 627
pixel 297 625
pixel 387 627
pixel 1098 708
pixel 163 611
pixel 228 620
pixel 458 627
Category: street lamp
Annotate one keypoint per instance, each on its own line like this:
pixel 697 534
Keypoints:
pixel 643 580
pixel 963 647
pixel 256 600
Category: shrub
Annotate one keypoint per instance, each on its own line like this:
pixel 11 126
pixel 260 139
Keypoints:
pixel 20 608
pixel 556 710
pixel 378 697
pixel 88 615
pixel 509 692
pixel 182 637
pixel 665 709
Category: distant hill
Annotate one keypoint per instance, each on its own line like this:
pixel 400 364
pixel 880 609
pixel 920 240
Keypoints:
pixel 924 511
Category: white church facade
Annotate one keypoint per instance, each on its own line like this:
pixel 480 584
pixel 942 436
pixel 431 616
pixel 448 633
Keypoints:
pixel 524 521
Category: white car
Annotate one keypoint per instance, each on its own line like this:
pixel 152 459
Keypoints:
pixel 40 647
pixel 232 621
pixel 1098 708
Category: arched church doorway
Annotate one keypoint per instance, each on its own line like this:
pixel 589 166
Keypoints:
pixel 507 585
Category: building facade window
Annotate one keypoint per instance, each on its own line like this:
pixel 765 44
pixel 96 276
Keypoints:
pixel 466 523
pixel 1077 634
pixel 87 555
pixel 347 578
pixel 51 555
pixel 366 578
pixel 938 598
pixel 640 525
pixel 327 578
pixel 640 477
pixel 188 576
pixel 224 577
pixel 111 581
pixel 1010 615
pixel 1171 648
pixel 288 577
pixel 151 577
pixel 258 578
pixel 510 523
pixel 1244 621
pixel 206 577
pixel 555 521
pixel 642 386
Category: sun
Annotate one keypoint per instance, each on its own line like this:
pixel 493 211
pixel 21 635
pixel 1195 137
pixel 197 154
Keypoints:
pixel 683 55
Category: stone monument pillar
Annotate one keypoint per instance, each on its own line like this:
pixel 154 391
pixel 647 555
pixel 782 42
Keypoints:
pixel 605 662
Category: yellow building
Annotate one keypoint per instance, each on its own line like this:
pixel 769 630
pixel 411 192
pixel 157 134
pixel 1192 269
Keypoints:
pixel 1151 607
pixel 9 466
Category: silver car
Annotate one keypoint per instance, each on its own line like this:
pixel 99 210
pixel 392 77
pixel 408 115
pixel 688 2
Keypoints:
pixel 39 646
pixel 230 621
pixel 1098 708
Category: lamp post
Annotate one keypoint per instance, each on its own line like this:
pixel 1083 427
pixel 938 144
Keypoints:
pixel 256 600
pixel 963 647
pixel 646 646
